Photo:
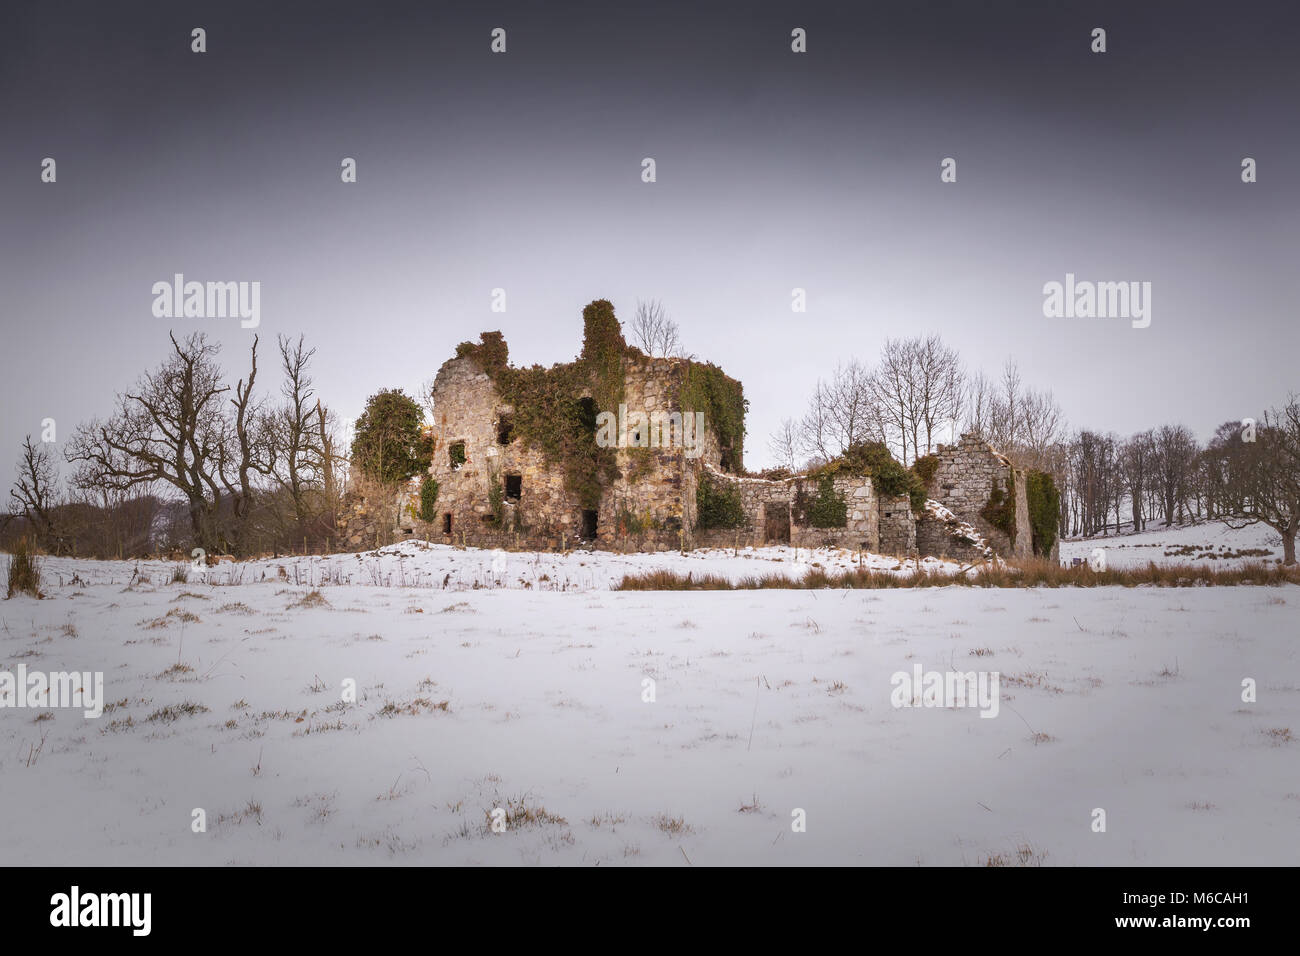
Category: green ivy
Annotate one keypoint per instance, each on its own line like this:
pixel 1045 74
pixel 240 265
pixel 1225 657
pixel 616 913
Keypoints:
pixel 631 523
pixel 555 408
pixel 388 444
pixel 706 388
pixel 490 352
pixel 925 467
pixel 1044 510
pixel 828 509
pixel 496 501
pixel 1000 510
pixel 718 505
pixel 888 477
pixel 428 498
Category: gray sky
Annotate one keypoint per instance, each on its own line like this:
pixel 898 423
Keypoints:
pixel 775 170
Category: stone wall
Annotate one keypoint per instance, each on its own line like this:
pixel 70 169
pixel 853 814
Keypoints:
pixel 963 483
pixel 644 509
pixel 650 508
pixel 935 538
pixel 897 526
pixel 762 498
pixel 468 412
pixel 369 517
pixel 652 505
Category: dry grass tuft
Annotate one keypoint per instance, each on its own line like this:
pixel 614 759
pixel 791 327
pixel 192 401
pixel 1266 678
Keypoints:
pixel 1027 573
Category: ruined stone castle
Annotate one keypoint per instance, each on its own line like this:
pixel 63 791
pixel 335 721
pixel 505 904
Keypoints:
pixel 498 485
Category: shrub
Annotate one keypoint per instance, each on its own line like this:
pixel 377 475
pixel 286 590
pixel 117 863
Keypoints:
pixel 1044 510
pixel 718 505
pixel 828 509
pixel 388 444
pixel 888 477
pixel 496 502
pixel 490 353
pixel 925 467
pixel 428 498
pixel 24 571
pixel 1000 510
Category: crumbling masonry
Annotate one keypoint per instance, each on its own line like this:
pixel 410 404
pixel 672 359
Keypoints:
pixel 496 490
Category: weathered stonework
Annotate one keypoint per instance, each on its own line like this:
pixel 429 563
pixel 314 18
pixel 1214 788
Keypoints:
pixel 773 508
pixel 897 526
pixel 963 483
pixel 495 490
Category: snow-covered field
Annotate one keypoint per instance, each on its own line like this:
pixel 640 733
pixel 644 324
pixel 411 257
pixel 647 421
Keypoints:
pixel 530 698
pixel 419 564
pixel 1211 543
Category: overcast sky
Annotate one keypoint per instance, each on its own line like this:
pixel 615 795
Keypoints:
pixel 775 170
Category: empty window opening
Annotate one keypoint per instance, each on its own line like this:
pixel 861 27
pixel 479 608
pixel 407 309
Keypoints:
pixel 456 455
pixel 588 525
pixel 446 522
pixel 777 522
pixel 505 429
pixel 514 487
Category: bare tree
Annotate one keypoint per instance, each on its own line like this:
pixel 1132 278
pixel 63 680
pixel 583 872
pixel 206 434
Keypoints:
pixel 1136 460
pixel 978 406
pixel 1259 481
pixel 841 413
pixel 33 494
pixel 1041 421
pixel 174 429
pixel 654 331
pixel 247 449
pixel 334 464
pixel 918 389
pixel 298 446
pixel 1011 407
pixel 816 435
pixel 1093 481
pixel 892 386
pixel 784 444
pixel 1023 423
pixel 1176 454
pixel 937 394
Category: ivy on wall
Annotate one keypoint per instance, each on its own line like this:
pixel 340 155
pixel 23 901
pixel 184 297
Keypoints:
pixel 828 509
pixel 555 408
pixel 888 477
pixel 1044 510
pixel 428 498
pixel 1000 509
pixel 718 505
pixel 706 388
pixel 925 468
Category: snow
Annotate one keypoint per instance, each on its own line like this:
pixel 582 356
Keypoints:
pixel 960 528
pixel 1210 543
pixel 420 564
pixel 765 702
